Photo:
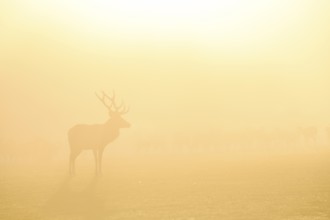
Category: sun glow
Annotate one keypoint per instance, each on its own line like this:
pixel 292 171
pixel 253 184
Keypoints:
pixel 147 19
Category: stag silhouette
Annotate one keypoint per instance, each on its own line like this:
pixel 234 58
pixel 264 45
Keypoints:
pixel 96 137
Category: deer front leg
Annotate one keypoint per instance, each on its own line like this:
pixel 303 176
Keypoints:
pixel 96 160
pixel 71 165
pixel 100 160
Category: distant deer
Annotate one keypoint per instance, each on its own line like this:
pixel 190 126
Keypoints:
pixel 309 134
pixel 327 130
pixel 97 136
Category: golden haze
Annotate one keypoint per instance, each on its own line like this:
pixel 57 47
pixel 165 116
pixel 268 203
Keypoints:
pixel 223 95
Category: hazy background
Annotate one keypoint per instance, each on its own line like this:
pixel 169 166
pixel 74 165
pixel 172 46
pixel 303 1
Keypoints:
pixel 216 70
pixel 194 64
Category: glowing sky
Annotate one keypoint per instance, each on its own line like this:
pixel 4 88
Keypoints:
pixel 245 61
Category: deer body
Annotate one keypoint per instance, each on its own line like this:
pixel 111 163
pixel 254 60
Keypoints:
pixel 97 136
pixel 92 137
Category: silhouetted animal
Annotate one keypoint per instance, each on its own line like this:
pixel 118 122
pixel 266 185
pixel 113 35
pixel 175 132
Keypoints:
pixel 327 130
pixel 97 136
pixel 309 134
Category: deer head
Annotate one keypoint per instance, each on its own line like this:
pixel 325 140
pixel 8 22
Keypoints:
pixel 115 111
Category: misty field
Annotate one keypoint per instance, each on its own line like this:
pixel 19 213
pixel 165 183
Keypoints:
pixel 155 185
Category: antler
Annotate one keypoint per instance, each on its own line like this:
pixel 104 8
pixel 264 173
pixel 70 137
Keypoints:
pixel 103 100
pixel 124 109
pixel 121 109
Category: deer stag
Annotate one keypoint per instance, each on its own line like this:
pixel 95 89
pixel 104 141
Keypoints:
pixel 95 137
pixel 309 134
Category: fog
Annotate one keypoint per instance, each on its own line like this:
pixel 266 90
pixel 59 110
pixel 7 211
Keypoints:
pixel 229 112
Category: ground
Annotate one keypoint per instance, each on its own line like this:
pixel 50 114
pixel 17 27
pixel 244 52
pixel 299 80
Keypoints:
pixel 169 186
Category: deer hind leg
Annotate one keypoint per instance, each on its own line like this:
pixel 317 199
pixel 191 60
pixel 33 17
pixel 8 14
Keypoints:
pixel 73 156
pixel 100 154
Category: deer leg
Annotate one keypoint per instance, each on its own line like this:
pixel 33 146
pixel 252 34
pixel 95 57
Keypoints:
pixel 73 156
pixel 96 161
pixel 100 160
pixel 70 165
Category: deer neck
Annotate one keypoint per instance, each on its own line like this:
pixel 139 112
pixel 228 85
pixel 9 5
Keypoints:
pixel 112 128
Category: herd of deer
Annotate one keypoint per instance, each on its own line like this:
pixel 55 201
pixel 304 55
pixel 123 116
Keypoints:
pixel 97 136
